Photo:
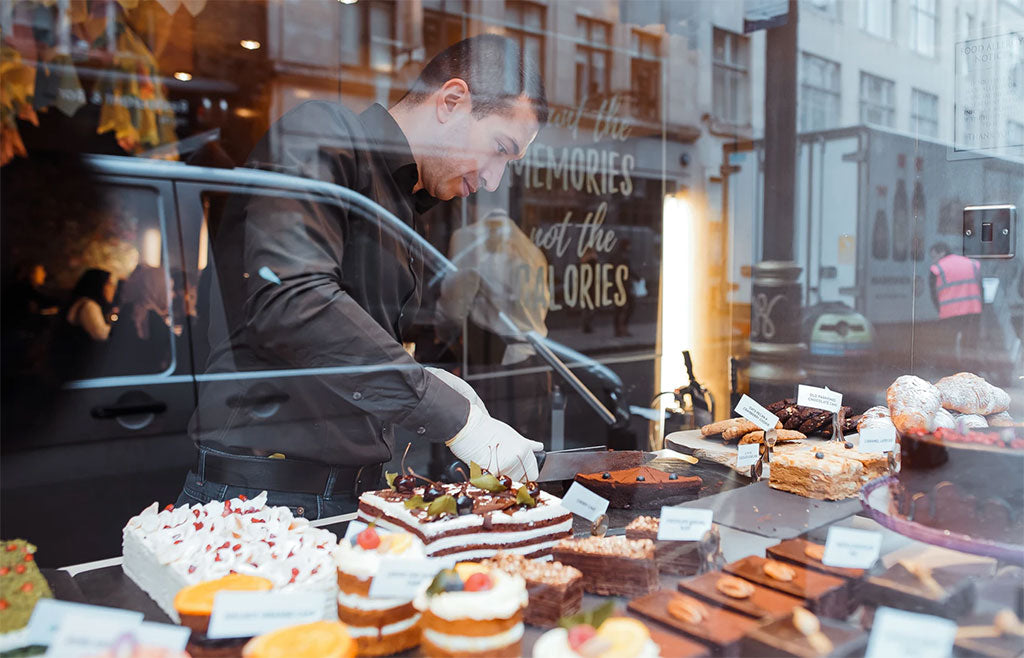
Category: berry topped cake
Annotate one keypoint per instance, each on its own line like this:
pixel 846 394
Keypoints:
pixel 21 587
pixel 470 520
pixel 166 550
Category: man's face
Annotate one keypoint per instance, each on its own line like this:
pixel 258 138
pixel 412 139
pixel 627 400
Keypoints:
pixel 472 153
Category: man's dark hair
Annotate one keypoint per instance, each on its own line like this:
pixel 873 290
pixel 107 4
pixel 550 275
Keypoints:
pixel 940 248
pixel 495 70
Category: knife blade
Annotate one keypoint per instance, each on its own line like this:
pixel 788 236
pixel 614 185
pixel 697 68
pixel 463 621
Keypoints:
pixel 565 464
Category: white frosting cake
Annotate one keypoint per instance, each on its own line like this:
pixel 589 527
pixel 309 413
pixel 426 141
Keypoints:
pixel 555 644
pixel 166 550
pixel 531 531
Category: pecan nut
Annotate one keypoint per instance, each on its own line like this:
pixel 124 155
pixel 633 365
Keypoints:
pixel 686 609
pixel 733 587
pixel 815 551
pixel 779 571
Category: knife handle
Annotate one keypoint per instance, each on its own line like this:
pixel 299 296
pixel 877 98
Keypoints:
pixel 540 455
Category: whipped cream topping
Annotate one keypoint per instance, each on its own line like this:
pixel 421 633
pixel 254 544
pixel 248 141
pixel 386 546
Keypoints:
pixel 354 560
pixel 383 631
pixel 555 644
pixel 506 596
pixel 461 643
pixel 204 542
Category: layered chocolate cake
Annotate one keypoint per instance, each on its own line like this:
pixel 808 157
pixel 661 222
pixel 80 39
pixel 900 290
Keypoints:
pixel 969 483
pixel 642 487
pixel 801 635
pixel 676 557
pixel 740 595
pixel 555 589
pixel 721 630
pixel 611 565
pixel 944 591
pixel 821 593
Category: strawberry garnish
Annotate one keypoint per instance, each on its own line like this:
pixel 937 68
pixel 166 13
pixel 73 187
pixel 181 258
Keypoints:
pixel 236 547
pixel 368 539
pixel 198 525
pixel 19 569
pixel 579 634
pixel 12 547
pixel 4 571
pixel 4 604
pixel 478 582
pixel 255 520
pixel 169 508
pixel 242 497
pixel 192 569
pixel 27 587
pixel 29 557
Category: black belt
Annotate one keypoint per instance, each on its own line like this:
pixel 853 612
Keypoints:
pixel 292 475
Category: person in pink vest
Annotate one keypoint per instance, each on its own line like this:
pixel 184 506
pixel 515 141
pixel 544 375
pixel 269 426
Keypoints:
pixel 956 292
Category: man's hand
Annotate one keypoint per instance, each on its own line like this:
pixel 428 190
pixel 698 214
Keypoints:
pixel 485 440
pixel 460 387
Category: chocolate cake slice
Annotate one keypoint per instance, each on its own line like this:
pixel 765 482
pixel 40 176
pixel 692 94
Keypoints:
pixel 555 589
pixel 721 630
pixel 755 601
pixel 611 565
pixel 945 591
pixel 675 557
pixel 781 638
pixel 643 487
pixel 822 594
pixel 808 554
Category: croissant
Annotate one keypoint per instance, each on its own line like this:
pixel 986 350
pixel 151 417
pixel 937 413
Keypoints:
pixel 970 394
pixel 913 403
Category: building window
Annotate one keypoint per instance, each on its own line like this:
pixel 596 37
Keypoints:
pixel 876 17
pixel 526 26
pixel 383 45
pixel 731 72
pixel 924 113
pixel 645 50
pixel 829 8
pixel 819 93
pixel 877 100
pixel 593 58
pixel 442 24
pixel 923 26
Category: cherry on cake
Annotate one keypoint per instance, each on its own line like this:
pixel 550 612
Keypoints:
pixel 167 550
pixel 380 626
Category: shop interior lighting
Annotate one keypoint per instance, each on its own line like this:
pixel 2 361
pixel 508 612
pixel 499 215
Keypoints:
pixel 249 44
pixel 182 75
pixel 679 292
pixel 348 2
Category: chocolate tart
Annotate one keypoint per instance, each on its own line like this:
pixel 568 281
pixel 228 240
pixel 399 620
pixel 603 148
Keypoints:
pixel 764 603
pixel 898 588
pixel 642 487
pixel 722 631
pixel 822 594
pixel 794 552
pixel 781 638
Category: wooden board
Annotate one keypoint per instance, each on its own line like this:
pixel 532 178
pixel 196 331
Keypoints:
pixel 691 442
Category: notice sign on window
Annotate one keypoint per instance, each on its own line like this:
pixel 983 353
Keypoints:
pixel 989 103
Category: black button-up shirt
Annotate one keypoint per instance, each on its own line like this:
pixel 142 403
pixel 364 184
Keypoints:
pixel 317 290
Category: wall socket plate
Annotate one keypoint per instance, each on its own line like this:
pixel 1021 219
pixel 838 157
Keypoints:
pixel 990 231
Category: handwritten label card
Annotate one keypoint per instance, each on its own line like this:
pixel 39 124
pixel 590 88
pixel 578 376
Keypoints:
pixel 397 576
pixel 901 633
pixel 851 548
pixel 819 398
pixel 684 523
pixel 164 636
pixel 756 414
pixel 583 502
pixel 87 635
pixel 878 439
pixel 747 454
pixel 245 614
pixel 49 613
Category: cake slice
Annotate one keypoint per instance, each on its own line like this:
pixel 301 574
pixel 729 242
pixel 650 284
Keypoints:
pixel 808 554
pixel 816 475
pixel 722 630
pixel 739 595
pixel 789 636
pixel 821 593
pixel 555 589
pixel 675 557
pixel 611 565
pixel 875 464
pixel 643 487
pixel 21 587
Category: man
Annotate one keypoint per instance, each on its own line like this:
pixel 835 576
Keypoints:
pixel 956 292
pixel 320 291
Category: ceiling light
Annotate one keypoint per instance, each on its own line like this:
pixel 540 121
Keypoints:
pixel 348 2
pixel 182 75
pixel 249 44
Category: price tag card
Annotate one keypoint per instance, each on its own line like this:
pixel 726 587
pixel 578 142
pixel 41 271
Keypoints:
pixel 245 614
pixel 819 398
pixel 49 613
pixel 88 635
pixel 684 523
pixel 353 529
pixel 878 439
pixel 747 454
pixel 901 633
pixel 583 502
pixel 397 577
pixel 756 414
pixel 164 636
pixel 851 548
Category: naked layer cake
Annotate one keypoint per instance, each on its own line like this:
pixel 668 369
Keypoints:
pixel 380 626
pixel 611 565
pixel 676 557
pixel 470 523
pixel 816 475
pixel 642 487
pixel 166 550
pixel 555 589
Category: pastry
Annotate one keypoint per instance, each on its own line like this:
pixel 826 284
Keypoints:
pixel 942 418
pixel 722 630
pixel 611 565
pixel 555 589
pixel 875 464
pixel 944 591
pixel 970 394
pixel 675 557
pixel 913 403
pixel 799 635
pixel 742 429
pixel 615 637
pixel 469 522
pixel 780 435
pixel 726 425
pixel 321 639
pixel 21 587
pixel 721 590
pixel 808 554
pixel 969 421
pixel 478 612
pixel 814 474
pixel 810 420
pixel 380 626
pixel 874 417
pixel 1001 419
pixel 821 593
pixel 643 487
pixel 165 551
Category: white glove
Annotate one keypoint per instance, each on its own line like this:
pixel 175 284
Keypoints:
pixel 460 386
pixel 485 440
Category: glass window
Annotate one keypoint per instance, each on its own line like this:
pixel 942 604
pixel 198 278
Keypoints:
pixel 731 81
pixel 646 75
pixel 526 26
pixel 923 26
pixel 820 93
pixel 877 102
pixel 924 113
pixel 876 17
pixel 382 36
pixel 593 59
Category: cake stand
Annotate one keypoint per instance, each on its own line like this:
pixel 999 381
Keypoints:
pixel 876 498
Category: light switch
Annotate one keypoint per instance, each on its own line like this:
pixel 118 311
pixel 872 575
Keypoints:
pixel 990 231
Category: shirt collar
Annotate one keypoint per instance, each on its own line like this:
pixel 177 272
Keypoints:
pixel 394 148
